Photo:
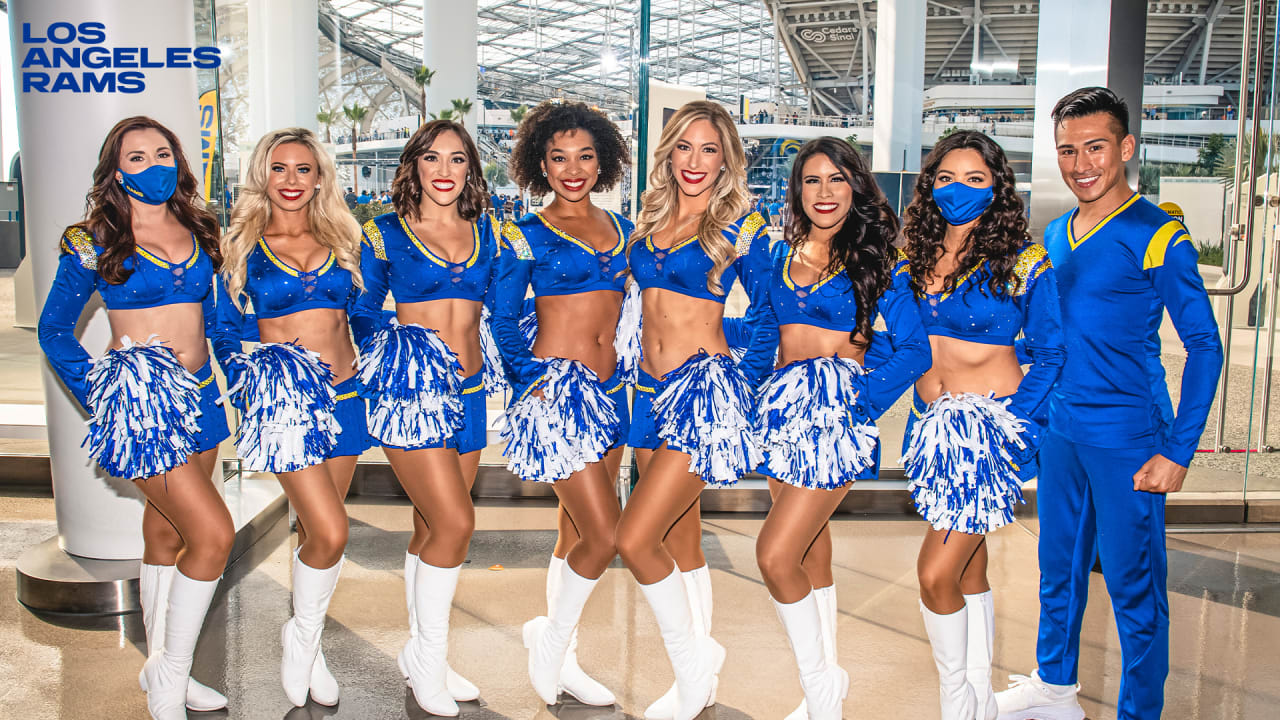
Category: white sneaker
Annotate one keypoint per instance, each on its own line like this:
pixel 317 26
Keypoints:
pixel 1030 698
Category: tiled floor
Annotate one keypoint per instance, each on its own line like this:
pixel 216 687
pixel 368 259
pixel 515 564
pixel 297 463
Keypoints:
pixel 1225 605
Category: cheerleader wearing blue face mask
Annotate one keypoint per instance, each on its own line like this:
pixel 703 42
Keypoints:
pixel 960 203
pixel 153 186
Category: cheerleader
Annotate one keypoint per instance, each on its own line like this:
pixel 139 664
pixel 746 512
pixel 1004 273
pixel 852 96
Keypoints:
pixel 974 429
pixel 691 422
pixel 567 423
pixel 293 252
pixel 150 250
pixel 816 420
pixel 422 372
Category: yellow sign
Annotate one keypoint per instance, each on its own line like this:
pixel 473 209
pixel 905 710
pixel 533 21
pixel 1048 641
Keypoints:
pixel 208 137
pixel 1175 211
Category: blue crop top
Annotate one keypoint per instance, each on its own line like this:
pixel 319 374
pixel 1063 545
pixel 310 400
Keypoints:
pixel 970 313
pixel 536 252
pixel 830 304
pixel 394 259
pixel 276 289
pixel 683 267
pixel 154 282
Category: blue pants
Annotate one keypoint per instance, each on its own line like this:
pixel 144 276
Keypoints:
pixel 1088 509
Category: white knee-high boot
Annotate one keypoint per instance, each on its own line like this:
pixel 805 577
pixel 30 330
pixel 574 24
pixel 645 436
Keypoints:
pixel 948 634
pixel 573 679
pixel 548 638
pixel 695 659
pixel 462 689
pixel 697 583
pixel 825 684
pixel 168 671
pixel 426 655
pixel 826 600
pixel 301 660
pixel 153 595
pixel 982 638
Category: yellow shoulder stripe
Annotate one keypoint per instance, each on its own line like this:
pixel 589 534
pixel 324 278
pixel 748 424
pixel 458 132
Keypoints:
pixel 1032 262
pixel 516 240
pixel 374 235
pixel 76 240
pixel 751 225
pixel 1163 239
pixel 901 262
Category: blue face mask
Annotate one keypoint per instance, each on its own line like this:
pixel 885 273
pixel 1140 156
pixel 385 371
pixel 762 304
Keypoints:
pixel 960 203
pixel 153 186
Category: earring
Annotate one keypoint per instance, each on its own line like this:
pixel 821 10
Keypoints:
pixel 544 173
pixel 721 168
pixel 317 186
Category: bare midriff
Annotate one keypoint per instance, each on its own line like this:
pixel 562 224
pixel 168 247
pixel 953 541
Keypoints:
pixel 180 327
pixel 798 342
pixel 320 330
pixel 456 321
pixel 580 327
pixel 677 326
pixel 961 366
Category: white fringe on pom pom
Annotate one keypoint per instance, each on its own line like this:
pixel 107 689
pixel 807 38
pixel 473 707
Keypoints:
pixel 626 339
pixel 495 379
pixel 706 410
pixel 143 410
pixel 960 459
pixel 414 384
pixel 811 426
pixel 287 405
pixel 528 325
pixel 572 424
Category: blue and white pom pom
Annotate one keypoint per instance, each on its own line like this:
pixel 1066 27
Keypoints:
pixel 414 384
pixel 961 459
pixel 143 410
pixel 287 402
pixel 626 338
pixel 495 379
pixel 528 325
pixel 706 411
pixel 812 425
pixel 574 423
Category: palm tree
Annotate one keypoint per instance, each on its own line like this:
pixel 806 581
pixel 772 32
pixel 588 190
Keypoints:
pixel 495 174
pixel 517 113
pixel 326 118
pixel 442 115
pixel 460 110
pixel 422 77
pixel 1226 167
pixel 356 114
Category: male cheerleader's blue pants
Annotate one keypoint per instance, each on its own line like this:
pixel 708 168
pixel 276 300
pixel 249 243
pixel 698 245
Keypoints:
pixel 1088 509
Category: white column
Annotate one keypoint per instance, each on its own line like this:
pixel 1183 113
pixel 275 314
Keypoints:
pixel 60 135
pixel 284 65
pixel 1082 43
pixel 449 42
pixel 899 86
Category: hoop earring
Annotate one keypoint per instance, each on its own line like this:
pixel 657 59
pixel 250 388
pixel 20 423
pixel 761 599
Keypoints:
pixel 544 173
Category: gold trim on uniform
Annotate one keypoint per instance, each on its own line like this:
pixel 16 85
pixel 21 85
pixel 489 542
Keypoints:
pixel 515 239
pixel 76 240
pixel 1032 262
pixel 374 235
pixel 1160 243
pixel 751 225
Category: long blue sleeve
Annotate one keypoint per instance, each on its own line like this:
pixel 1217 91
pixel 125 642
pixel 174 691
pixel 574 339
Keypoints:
pixel 72 287
pixel 514 274
pixel 228 330
pixel 366 312
pixel 1044 343
pixel 754 269
pixel 1179 285
pixel 904 356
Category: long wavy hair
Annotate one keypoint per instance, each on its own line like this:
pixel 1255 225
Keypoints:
pixel 993 242
pixel 108 215
pixel 406 186
pixel 729 197
pixel 862 247
pixel 331 223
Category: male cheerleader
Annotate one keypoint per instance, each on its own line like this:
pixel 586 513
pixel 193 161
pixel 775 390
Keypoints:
pixel 1114 447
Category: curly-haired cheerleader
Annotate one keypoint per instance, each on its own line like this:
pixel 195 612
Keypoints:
pixel 423 374
pixel 837 271
pixel 693 404
pixel 567 423
pixel 293 252
pixel 973 433
pixel 150 249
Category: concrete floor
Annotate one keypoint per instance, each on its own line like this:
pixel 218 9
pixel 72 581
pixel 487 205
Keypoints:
pixel 1225 605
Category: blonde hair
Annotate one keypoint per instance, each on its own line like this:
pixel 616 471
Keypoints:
pixel 331 223
pixel 729 197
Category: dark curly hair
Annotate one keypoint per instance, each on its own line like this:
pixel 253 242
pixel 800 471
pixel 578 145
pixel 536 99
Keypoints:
pixel 993 243
pixel 863 245
pixel 541 124
pixel 406 186
pixel 109 215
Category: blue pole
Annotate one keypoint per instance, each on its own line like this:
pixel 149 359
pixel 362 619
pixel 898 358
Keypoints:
pixel 642 145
